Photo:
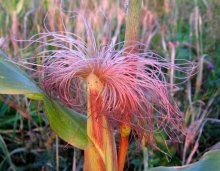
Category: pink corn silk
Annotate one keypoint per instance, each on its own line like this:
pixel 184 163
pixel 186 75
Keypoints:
pixel 141 91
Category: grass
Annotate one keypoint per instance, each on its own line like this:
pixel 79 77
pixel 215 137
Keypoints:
pixel 191 27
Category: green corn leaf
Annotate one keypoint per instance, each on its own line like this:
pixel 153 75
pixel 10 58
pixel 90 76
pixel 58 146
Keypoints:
pixel 209 162
pixel 13 80
pixel 19 6
pixel 69 125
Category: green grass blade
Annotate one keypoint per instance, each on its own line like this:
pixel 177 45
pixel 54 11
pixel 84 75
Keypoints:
pixel 4 149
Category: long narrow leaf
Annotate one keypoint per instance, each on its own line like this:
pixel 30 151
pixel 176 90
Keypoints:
pixel 69 125
pixel 7 157
pixel 13 80
pixel 209 162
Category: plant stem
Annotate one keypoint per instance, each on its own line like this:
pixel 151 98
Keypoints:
pixel 131 38
pixel 133 23
pixel 145 156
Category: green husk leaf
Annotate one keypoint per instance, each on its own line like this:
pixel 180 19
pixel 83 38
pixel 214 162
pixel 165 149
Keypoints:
pixel 68 124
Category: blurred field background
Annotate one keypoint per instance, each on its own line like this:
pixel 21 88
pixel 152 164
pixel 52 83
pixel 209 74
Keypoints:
pixel 175 29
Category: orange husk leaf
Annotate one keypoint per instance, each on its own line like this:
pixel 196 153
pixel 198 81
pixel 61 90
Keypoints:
pixel 101 151
pixel 125 130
